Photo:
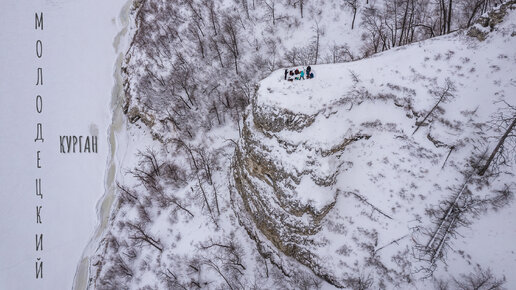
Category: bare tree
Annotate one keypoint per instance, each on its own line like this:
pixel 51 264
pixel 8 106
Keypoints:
pixel 406 22
pixel 441 284
pixel 479 280
pixel 449 15
pixel 316 40
pixel 219 271
pixel 231 253
pixel 444 94
pixel 148 169
pixel 339 53
pixel 139 235
pixel 271 8
pixel 458 211
pixel 212 15
pixel 353 4
pixel 376 39
pixel 473 8
pixel 445 14
pixel 504 120
pixel 198 35
pixel 362 282
pixel 230 38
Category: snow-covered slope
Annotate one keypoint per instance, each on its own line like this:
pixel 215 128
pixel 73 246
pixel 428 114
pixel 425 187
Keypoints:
pixel 330 172
pixel 326 182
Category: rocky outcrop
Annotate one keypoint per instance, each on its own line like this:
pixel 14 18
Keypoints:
pixel 487 23
pixel 328 174
pixel 274 206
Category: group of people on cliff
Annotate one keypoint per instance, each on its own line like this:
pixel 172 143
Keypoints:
pixel 299 74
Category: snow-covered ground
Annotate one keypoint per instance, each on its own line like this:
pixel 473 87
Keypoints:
pixel 167 230
pixel 78 59
pixel 399 172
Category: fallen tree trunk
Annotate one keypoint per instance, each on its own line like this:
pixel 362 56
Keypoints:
pixel 500 143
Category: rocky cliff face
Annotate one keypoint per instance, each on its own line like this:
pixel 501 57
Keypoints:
pixel 268 194
pixel 487 23
pixel 332 173
pixel 287 184
pixel 269 187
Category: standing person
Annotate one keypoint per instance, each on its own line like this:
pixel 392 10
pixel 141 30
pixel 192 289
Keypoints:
pixel 302 74
pixel 308 70
pixel 286 73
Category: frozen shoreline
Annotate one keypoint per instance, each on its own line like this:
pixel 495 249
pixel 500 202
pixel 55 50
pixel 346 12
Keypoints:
pixel 114 133
pixel 76 59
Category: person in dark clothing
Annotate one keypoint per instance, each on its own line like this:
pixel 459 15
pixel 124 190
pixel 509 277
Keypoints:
pixel 308 69
pixel 286 73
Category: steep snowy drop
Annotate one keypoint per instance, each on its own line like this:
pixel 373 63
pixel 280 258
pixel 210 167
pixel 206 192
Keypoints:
pixel 371 168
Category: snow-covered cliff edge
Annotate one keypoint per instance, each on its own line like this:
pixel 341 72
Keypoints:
pixel 332 172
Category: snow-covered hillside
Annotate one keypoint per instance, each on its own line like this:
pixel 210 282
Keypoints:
pixel 333 174
pixel 367 176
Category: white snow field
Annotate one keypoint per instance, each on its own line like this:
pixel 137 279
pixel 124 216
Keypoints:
pixel 77 60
